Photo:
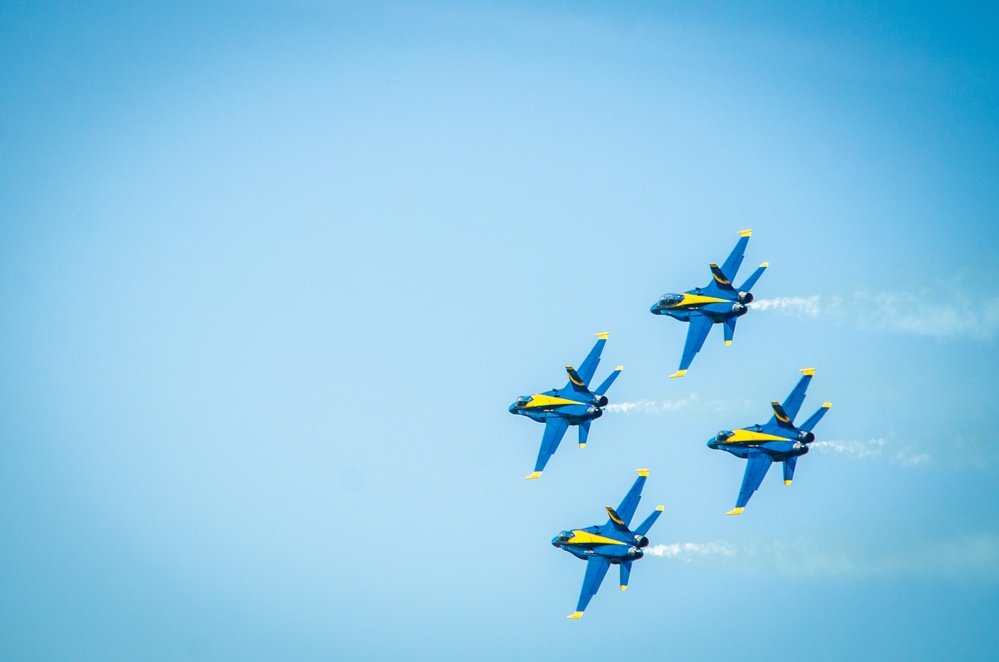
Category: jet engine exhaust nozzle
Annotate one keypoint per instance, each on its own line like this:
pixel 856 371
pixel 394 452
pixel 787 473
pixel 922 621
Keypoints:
pixel 745 297
pixel 806 437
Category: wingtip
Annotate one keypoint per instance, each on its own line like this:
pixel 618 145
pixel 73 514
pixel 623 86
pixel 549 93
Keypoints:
pixel 826 405
pixel 660 508
pixel 787 482
pixel 808 371
pixel 678 373
pixel 745 233
pixel 582 445
pixel 575 615
pixel 764 264
pixel 604 335
pixel 624 587
pixel 619 368
pixel 534 476
pixel 735 511
pixel 728 342
pixel 642 472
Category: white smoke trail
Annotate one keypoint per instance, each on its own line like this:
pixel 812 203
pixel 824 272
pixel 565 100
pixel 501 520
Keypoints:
pixel 651 406
pixel 860 450
pixel 949 314
pixel 796 306
pixel 973 556
pixel 687 551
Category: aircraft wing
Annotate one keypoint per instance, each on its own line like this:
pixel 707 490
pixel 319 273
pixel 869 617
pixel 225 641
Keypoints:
pixel 734 261
pixel 589 365
pixel 630 503
pixel 596 569
pixel 756 468
pixel 793 402
pixel 700 325
pixel 555 428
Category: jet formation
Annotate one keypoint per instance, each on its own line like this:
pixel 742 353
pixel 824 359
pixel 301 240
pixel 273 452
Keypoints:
pixel 574 404
pixel 613 543
pixel 777 440
pixel 718 302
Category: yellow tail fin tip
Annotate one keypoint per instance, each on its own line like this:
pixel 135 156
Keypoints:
pixel 745 233
pixel 678 373
pixel 808 371
pixel 536 474
pixel 787 482
pixel 577 614
pixel 624 587
pixel 642 472
pixel 735 511
pixel 604 335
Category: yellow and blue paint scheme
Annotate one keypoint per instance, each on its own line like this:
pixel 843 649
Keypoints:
pixel 574 404
pixel 719 302
pixel 613 543
pixel 778 440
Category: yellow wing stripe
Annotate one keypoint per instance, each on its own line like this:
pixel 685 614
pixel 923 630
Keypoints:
pixel 539 400
pixel 584 538
pixel 740 436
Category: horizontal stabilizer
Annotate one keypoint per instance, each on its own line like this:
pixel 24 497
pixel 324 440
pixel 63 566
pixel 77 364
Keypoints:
pixel 809 425
pixel 751 281
pixel 643 528
pixel 602 389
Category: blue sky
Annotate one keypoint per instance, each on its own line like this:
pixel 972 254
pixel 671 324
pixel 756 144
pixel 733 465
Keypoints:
pixel 273 272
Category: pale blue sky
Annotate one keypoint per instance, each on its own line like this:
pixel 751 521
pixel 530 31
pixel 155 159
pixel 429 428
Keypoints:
pixel 273 272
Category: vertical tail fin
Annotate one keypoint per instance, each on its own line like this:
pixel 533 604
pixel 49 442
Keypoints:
pixel 625 574
pixel 730 330
pixel 789 464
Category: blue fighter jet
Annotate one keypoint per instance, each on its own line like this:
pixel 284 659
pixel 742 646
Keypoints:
pixel 610 543
pixel 776 441
pixel 575 404
pixel 716 303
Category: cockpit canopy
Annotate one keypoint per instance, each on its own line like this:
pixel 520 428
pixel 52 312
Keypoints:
pixel 667 300
pixel 564 536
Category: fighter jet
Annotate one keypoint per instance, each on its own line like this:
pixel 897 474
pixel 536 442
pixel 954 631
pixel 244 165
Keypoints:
pixel 610 543
pixel 717 302
pixel 776 441
pixel 575 404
